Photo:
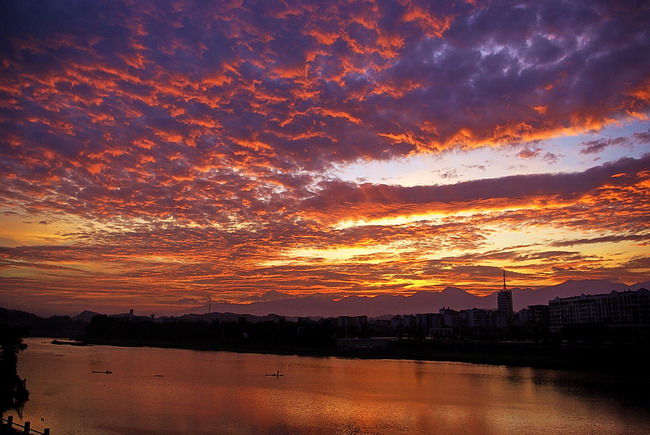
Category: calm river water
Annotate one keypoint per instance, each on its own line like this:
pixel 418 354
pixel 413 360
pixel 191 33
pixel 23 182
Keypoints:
pixel 171 391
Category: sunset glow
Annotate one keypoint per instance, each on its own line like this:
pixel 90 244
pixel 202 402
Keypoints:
pixel 158 156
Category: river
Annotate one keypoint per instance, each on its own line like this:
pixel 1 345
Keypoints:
pixel 175 391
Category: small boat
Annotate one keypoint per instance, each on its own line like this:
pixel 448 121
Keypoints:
pixel 276 374
pixel 108 372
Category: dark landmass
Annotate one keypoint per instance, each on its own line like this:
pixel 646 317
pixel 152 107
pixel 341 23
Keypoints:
pixel 578 347
pixel 617 351
pixel 607 358
pixel 35 326
pixel 69 327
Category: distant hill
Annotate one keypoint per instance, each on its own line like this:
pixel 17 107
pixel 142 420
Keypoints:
pixel 420 302
pixel 55 326
pixel 70 327
pixel 85 316
pixel 640 285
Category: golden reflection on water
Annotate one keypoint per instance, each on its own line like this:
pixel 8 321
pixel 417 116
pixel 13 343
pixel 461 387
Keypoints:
pixel 169 391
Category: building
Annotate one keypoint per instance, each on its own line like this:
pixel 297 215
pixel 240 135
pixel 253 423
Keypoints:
pixel 535 315
pixel 450 318
pixel 432 324
pixel 352 321
pixel 500 319
pixel 352 324
pixel 401 323
pixel 477 318
pixel 426 322
pixel 628 308
pixel 504 302
pixel 380 325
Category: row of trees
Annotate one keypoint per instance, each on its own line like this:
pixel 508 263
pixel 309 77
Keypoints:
pixel 238 334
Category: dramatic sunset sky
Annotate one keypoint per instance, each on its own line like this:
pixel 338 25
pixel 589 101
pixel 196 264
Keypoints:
pixel 154 155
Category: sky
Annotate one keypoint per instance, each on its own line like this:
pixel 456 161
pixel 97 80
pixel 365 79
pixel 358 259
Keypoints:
pixel 157 155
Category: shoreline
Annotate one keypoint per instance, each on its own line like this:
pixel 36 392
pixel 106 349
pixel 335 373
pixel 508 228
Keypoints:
pixel 610 359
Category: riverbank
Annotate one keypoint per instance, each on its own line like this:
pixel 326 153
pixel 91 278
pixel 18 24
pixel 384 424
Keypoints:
pixel 614 358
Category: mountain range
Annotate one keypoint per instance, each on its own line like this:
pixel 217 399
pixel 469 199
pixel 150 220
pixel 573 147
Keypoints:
pixel 420 302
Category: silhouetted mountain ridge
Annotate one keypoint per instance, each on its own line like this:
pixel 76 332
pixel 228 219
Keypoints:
pixel 420 302
pixel 85 316
pixel 321 306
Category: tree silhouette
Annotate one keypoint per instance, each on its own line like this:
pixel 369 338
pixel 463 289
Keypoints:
pixel 13 392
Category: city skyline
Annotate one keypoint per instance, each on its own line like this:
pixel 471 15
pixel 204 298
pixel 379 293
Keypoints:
pixel 160 158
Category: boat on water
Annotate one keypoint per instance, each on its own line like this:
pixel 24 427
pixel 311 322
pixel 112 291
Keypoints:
pixel 108 372
pixel 276 374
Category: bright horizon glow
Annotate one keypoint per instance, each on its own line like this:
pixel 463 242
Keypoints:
pixel 559 154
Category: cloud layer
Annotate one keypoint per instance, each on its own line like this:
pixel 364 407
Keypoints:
pixel 188 150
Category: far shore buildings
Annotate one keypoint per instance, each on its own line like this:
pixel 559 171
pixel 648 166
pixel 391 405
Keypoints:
pixel 615 309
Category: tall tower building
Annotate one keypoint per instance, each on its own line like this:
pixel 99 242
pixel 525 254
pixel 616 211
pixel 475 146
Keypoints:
pixel 504 300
